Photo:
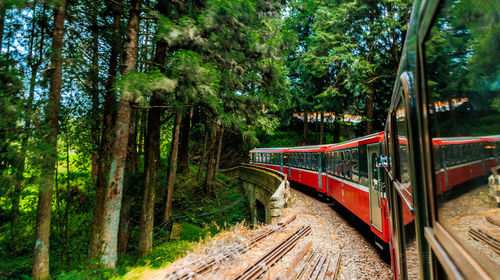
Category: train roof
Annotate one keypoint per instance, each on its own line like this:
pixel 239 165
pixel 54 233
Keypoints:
pixel 457 140
pixel 268 150
pixel 311 148
pixel 368 139
pixel 372 138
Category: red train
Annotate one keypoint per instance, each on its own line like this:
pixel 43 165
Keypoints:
pixel 349 173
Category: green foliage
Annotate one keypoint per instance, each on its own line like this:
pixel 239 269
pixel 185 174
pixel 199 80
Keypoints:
pixel 165 253
pixel 93 271
pixel 16 268
pixel 193 233
pixel 139 85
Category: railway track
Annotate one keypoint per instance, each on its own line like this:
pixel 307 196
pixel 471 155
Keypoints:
pixel 213 261
pixel 260 266
pixel 314 265
pixel 482 236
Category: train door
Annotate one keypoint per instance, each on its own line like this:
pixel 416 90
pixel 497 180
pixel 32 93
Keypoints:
pixel 374 183
pixel 320 171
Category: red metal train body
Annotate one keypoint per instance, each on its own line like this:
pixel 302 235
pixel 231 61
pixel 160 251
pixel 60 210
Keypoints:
pixel 348 172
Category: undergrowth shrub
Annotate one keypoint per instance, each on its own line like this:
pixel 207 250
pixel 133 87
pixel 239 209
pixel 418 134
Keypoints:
pixel 165 253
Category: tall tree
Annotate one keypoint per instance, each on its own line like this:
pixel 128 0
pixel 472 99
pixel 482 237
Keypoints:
pixel 151 162
pixel 173 166
pixel 42 230
pixel 114 186
pixel 34 61
pixel 108 120
pixel 207 184
pixel 219 149
pixel 184 142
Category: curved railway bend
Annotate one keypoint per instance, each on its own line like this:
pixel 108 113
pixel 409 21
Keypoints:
pixel 333 230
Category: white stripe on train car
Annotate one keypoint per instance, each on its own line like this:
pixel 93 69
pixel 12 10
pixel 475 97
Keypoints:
pixel 352 184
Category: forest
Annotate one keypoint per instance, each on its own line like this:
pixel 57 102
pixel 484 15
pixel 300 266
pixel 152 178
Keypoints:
pixel 117 115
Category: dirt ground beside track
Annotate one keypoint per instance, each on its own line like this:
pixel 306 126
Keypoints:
pixel 333 231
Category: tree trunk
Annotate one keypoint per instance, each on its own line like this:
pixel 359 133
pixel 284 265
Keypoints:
pixel 203 152
pixel 306 121
pixel 151 164
pixel 336 128
pixel 42 230
pixel 369 112
pixel 184 143
pixel 219 148
pixel 108 121
pixel 207 185
pixel 142 135
pixel 94 91
pixel 130 189
pixel 3 9
pixel 173 167
pixel 125 228
pixel 114 187
pixel 316 122
pixel 322 129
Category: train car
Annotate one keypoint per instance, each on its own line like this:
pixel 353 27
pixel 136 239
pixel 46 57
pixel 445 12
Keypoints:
pixel 458 160
pixel 346 172
pixel 438 152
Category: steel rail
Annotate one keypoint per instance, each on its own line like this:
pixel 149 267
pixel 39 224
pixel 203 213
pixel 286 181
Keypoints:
pixel 260 266
pixel 319 260
pixel 272 255
pixel 327 266
pixel 296 261
pixel 303 268
pixel 480 235
pixel 213 260
pixel 337 266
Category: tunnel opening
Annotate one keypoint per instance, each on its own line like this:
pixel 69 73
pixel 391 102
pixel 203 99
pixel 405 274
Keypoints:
pixel 261 211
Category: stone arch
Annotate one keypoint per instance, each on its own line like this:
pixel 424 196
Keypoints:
pixel 260 209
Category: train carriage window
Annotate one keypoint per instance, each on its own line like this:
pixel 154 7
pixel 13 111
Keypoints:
pixel 461 56
pixel 402 138
pixel 332 166
pixel 312 161
pixel 335 163
pixel 340 166
pixel 436 155
pixel 347 165
pixel 354 165
pixel 326 162
pixel 330 163
pixel 363 165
